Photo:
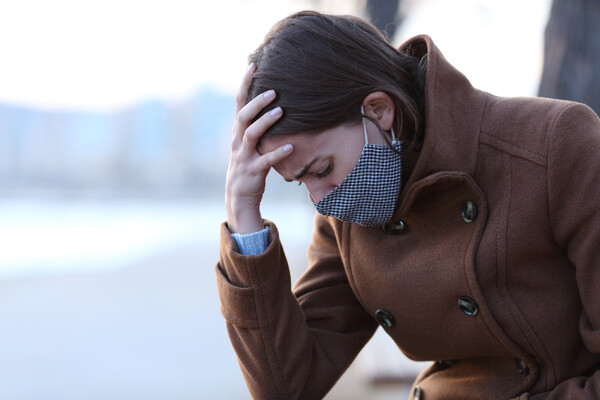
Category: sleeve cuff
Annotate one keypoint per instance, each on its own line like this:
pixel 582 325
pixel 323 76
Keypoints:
pixel 252 243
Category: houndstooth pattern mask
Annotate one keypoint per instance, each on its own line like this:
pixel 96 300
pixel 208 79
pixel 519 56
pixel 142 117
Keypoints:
pixel 367 196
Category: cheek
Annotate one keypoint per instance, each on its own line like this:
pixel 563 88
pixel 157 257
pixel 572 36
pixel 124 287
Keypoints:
pixel 317 189
pixel 341 175
pixel 343 169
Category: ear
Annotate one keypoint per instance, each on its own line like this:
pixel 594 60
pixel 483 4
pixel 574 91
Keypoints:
pixel 379 106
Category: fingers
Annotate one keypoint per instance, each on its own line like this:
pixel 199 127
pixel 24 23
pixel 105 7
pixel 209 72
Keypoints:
pixel 242 94
pixel 256 130
pixel 244 130
pixel 245 116
pixel 250 110
pixel 272 158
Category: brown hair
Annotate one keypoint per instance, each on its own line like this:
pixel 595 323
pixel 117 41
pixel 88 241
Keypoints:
pixel 323 66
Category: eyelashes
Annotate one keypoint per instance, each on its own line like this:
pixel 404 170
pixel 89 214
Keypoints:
pixel 325 172
pixel 322 174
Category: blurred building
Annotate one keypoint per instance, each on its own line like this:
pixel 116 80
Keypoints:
pixel 153 149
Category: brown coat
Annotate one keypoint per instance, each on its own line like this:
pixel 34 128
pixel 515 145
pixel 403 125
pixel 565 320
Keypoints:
pixel 496 274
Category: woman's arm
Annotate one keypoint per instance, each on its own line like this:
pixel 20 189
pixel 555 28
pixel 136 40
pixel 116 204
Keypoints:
pixel 290 346
pixel 245 182
pixel 287 347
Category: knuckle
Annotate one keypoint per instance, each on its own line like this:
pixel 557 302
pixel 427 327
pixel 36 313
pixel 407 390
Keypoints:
pixel 272 158
pixel 264 121
pixel 240 97
pixel 242 116
pixel 265 163
pixel 250 134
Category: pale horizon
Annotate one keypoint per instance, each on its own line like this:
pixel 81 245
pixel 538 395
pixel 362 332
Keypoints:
pixel 105 55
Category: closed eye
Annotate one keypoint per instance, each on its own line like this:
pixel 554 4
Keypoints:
pixel 290 181
pixel 325 172
pixel 319 175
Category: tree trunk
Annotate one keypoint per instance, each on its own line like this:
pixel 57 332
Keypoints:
pixel 572 52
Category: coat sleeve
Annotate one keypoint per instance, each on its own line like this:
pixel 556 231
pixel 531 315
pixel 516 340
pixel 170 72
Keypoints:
pixel 574 198
pixel 290 345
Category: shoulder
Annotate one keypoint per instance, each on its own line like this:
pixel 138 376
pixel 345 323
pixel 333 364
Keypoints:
pixel 526 127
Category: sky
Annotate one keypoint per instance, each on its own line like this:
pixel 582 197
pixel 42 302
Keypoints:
pixel 109 53
pixel 102 55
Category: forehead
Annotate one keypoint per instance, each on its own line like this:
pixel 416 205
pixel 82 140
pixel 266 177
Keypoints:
pixel 306 147
pixel 303 141
pixel 338 136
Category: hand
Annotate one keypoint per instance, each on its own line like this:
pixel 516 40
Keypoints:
pixel 248 169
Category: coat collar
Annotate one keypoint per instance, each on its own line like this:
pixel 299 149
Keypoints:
pixel 453 114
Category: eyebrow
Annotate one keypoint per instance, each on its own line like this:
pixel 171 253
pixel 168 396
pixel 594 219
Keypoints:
pixel 302 172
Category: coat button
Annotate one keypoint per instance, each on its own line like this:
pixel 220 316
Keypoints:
pixel 522 367
pixel 384 317
pixel 468 305
pixel 417 393
pixel 394 228
pixel 444 364
pixel 469 211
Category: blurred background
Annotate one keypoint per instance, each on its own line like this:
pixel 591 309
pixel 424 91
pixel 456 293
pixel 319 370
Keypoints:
pixel 115 123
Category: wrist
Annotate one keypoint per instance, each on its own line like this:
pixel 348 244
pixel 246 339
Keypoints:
pixel 244 219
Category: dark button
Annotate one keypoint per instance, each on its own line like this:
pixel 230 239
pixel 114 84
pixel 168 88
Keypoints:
pixel 394 228
pixel 469 211
pixel 384 317
pixel 522 367
pixel 445 364
pixel 417 393
pixel 468 305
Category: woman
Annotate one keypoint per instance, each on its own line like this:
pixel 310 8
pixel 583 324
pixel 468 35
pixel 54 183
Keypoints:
pixel 472 240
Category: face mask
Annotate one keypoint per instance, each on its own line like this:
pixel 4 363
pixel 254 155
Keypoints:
pixel 367 196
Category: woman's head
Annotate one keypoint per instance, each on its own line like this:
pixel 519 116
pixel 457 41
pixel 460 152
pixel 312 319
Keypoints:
pixel 322 68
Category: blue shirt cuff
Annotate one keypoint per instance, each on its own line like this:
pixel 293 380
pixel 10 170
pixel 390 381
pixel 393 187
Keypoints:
pixel 252 243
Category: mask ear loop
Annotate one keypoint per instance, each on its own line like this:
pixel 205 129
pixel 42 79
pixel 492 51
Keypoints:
pixel 393 137
pixel 362 111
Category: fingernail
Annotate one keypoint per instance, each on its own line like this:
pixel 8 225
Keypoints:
pixel 276 112
pixel 287 148
pixel 251 68
pixel 270 94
